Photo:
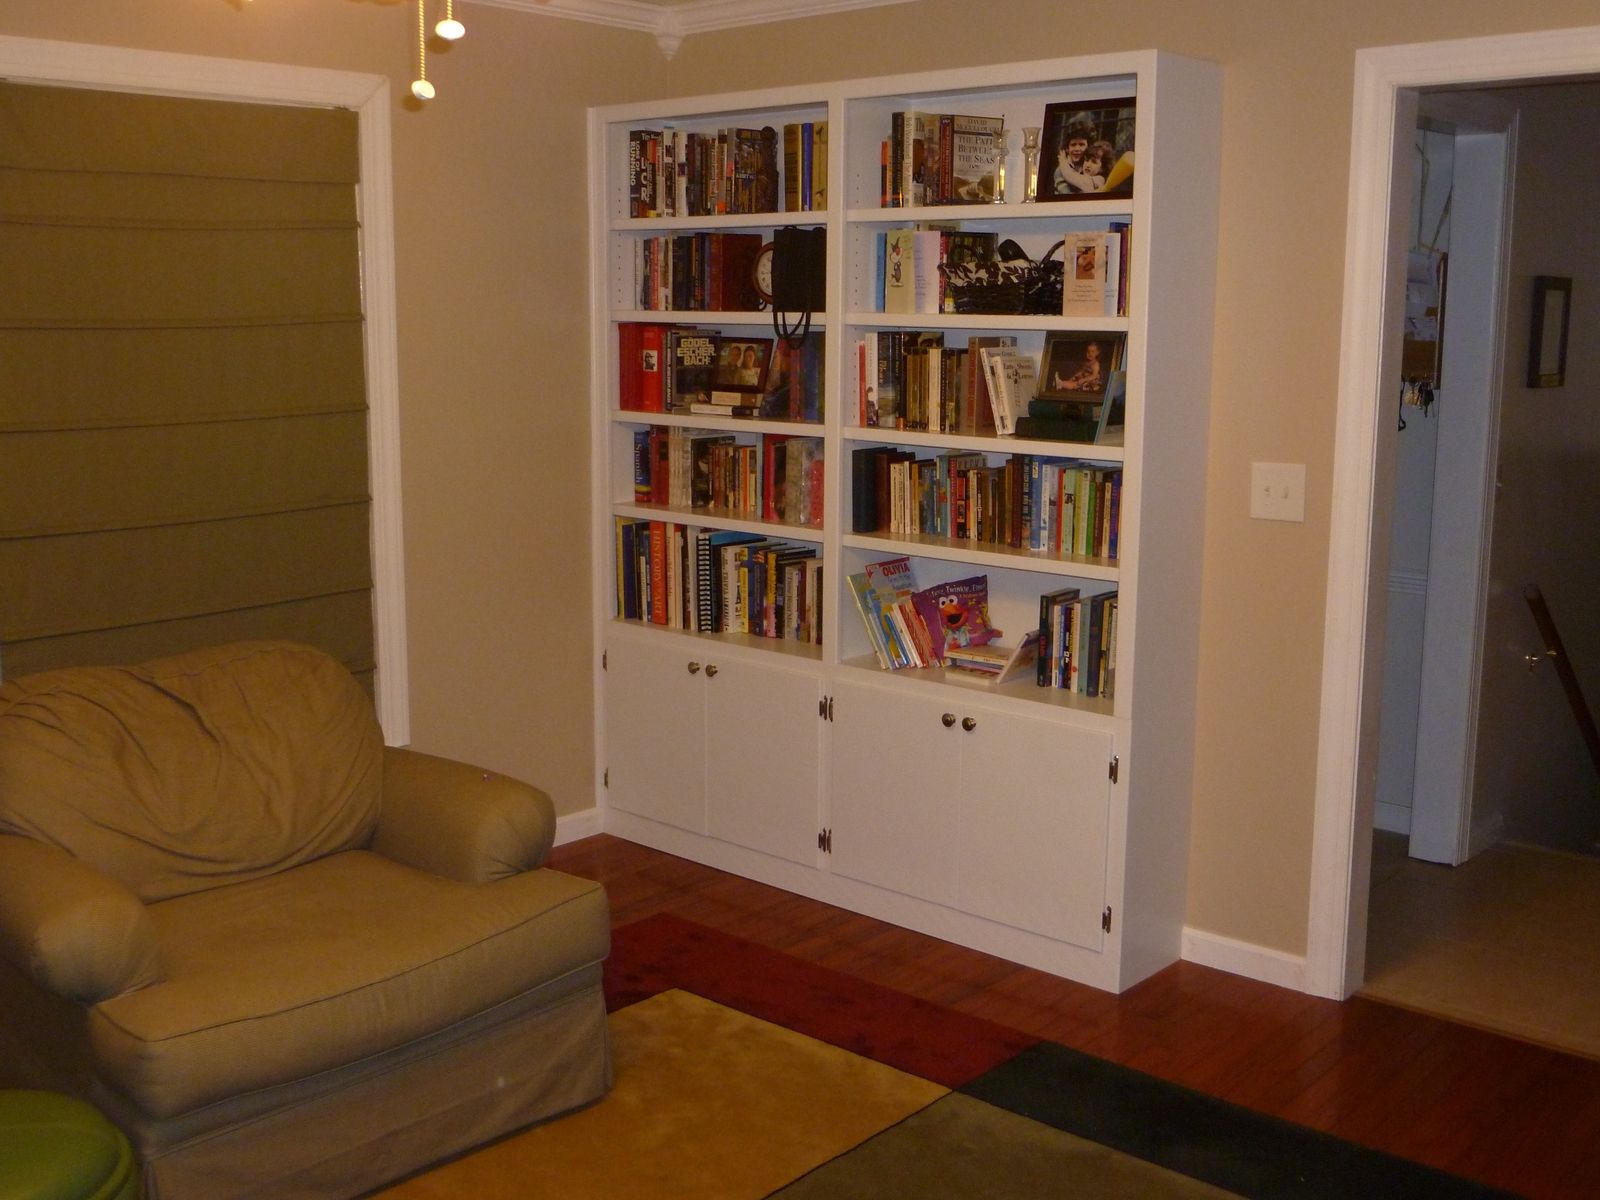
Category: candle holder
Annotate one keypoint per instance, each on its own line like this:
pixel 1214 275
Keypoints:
pixel 1030 164
pixel 1002 148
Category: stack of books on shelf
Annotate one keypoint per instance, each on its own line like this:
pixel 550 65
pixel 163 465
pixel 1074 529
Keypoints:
pixel 776 478
pixel 912 627
pixel 696 272
pixel 1061 507
pixel 939 158
pixel 676 173
pixel 684 369
pixel 1078 642
pixel 717 581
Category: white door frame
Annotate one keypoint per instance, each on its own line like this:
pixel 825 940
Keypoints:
pixel 1386 80
pixel 110 68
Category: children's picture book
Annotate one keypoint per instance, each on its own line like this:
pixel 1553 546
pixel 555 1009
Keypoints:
pixel 956 614
pixel 997 664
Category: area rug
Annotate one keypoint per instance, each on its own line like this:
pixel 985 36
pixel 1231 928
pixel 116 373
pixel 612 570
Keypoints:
pixel 743 1073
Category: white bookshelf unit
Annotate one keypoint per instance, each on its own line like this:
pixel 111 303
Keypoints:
pixel 1038 824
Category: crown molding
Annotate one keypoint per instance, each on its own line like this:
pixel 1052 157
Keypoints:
pixel 671 23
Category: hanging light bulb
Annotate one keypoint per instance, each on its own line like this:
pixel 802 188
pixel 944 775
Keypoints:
pixel 420 87
pixel 449 28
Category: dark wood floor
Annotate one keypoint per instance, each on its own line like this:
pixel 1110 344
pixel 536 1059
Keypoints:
pixel 1508 1113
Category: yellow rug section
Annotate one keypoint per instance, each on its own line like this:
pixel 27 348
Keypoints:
pixel 708 1103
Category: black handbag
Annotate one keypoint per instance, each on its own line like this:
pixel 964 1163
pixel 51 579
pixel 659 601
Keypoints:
pixel 799 280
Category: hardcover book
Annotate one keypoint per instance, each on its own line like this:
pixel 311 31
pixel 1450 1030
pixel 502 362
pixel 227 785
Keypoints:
pixel 956 614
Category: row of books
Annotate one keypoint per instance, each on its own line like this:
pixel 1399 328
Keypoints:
pixel 717 581
pixel 939 158
pixel 1060 507
pixel 776 478
pixel 909 626
pixel 697 272
pixel 685 369
pixel 677 173
pixel 1078 642
pixel 805 166
pixel 909 379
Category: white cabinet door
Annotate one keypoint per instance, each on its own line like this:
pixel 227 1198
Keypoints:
pixel 892 799
pixel 1035 801
pixel 763 757
pixel 656 732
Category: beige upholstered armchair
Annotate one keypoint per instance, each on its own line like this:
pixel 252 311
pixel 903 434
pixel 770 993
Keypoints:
pixel 287 960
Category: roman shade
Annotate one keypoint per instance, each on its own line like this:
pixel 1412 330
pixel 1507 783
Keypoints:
pixel 183 428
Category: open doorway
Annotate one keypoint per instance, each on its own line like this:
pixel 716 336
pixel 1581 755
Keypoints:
pixel 1390 84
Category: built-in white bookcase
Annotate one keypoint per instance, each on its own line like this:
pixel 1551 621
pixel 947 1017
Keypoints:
pixel 1038 824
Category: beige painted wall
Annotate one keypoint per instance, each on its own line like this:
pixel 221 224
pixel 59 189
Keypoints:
pixel 489 219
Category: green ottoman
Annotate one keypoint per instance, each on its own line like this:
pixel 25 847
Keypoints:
pixel 56 1148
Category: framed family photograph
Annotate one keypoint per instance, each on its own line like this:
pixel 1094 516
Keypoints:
pixel 1079 366
pixel 741 372
pixel 1086 150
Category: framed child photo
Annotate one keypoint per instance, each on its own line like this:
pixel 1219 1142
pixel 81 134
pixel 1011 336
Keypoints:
pixel 1079 366
pixel 741 372
pixel 1086 150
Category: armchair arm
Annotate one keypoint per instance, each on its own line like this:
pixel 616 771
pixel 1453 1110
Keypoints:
pixel 460 821
pixel 73 930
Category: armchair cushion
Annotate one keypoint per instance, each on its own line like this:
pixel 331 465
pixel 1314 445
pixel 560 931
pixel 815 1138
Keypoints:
pixel 191 772
pixel 281 977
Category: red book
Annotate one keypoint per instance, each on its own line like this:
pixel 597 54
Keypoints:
pixel 658 572
pixel 652 373
pixel 628 366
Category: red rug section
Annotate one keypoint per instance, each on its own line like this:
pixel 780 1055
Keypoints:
pixel 939 1044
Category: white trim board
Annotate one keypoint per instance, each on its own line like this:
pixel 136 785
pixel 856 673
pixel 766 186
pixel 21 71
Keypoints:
pixel 671 23
pixel 1386 80
pixel 32 60
pixel 1261 963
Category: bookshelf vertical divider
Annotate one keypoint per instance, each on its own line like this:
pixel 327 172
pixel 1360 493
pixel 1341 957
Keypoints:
pixel 743 718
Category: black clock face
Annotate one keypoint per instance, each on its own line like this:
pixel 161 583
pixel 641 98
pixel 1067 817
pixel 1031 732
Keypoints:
pixel 761 274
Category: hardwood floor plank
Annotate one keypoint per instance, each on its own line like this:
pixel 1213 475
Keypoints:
pixel 1508 1113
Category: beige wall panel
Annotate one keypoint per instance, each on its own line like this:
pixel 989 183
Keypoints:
pixel 491 275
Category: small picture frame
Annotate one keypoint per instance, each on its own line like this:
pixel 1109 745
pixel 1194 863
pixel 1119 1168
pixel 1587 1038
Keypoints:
pixel 742 365
pixel 1079 366
pixel 1547 340
pixel 1086 150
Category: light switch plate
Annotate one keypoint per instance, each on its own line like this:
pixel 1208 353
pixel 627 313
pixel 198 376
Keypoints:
pixel 1278 491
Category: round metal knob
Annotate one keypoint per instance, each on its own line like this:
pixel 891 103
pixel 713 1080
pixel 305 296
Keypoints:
pixel 969 723
pixel 694 668
pixel 711 670
pixel 949 719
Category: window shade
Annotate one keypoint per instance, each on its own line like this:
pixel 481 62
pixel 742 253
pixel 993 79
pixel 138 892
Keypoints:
pixel 183 437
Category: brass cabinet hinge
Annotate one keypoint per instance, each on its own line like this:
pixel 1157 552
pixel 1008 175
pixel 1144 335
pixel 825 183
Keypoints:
pixel 1116 766
pixel 825 708
pixel 1105 919
pixel 825 841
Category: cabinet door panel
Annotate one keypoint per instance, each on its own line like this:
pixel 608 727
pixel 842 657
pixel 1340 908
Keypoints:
pixel 892 802
pixel 655 734
pixel 763 757
pixel 1034 809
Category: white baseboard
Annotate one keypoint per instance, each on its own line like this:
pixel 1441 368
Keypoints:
pixel 1244 958
pixel 574 827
